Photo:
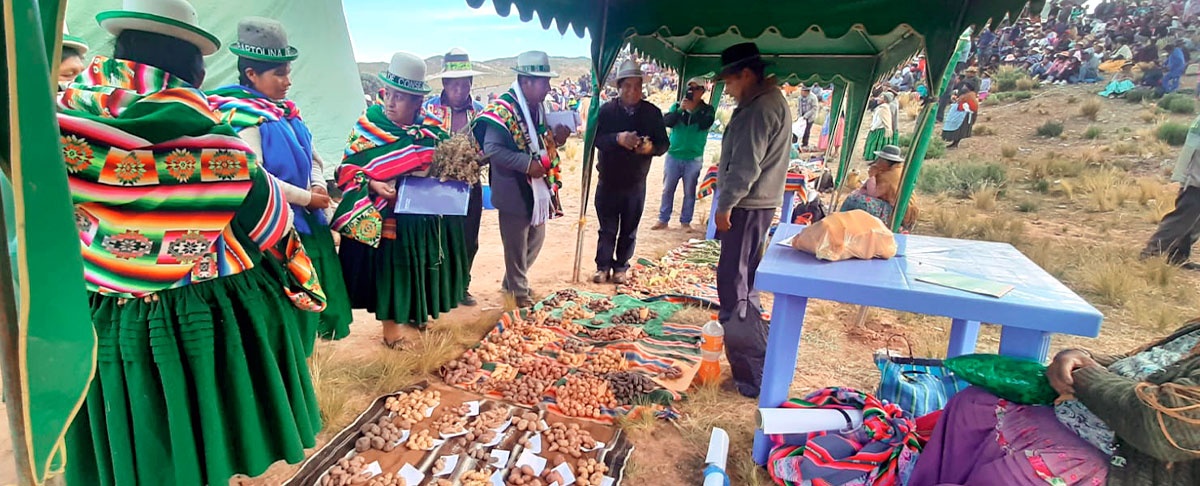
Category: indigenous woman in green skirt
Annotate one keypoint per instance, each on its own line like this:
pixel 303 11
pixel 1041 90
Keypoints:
pixel 405 259
pixel 883 131
pixel 271 125
pixel 201 370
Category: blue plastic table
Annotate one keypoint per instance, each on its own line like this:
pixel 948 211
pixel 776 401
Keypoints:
pixel 1038 306
pixel 785 211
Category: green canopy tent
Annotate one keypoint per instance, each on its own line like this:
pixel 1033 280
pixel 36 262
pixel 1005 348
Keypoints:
pixel 855 41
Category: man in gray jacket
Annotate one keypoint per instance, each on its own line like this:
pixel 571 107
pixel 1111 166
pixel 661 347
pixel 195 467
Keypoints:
pixel 808 104
pixel 1180 229
pixel 751 178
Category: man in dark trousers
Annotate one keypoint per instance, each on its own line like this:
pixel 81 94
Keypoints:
pixel 1180 229
pixel 629 133
pixel 750 181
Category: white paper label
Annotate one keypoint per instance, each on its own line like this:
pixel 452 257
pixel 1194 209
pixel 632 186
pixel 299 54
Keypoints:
pixel 474 408
pixel 373 469
pixel 451 463
pixel 498 478
pixel 456 434
pixel 599 445
pixel 528 458
pixel 429 411
pixel 500 458
pixel 404 434
pixel 607 481
pixel 496 440
pixel 535 444
pixel 564 470
pixel 411 474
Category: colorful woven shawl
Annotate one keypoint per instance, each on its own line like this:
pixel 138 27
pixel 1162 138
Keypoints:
pixel 874 454
pixel 503 114
pixel 378 150
pixel 156 179
pixel 286 142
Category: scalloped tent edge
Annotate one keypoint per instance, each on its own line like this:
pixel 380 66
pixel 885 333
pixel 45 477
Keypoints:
pixel 932 25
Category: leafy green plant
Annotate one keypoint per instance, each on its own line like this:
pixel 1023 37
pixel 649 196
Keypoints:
pixel 1050 129
pixel 1182 106
pixel 1173 133
pixel 961 179
pixel 1138 95
pixel 1093 132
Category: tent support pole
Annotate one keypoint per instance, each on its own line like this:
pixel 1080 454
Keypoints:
pixel 10 356
pixel 598 79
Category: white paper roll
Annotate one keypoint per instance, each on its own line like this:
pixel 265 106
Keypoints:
pixel 804 420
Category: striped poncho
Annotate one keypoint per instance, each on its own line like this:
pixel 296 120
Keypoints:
pixel 156 179
pixel 378 150
pixel 503 114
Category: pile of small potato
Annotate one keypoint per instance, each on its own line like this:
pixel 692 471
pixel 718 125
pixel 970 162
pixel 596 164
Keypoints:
pixel 543 369
pixel 381 436
pixel 574 311
pixel 601 305
pixel 528 422
pixel 523 476
pixel 410 407
pixel 504 372
pixel 571 359
pixel 389 479
pixel 584 394
pixel 526 389
pixel 476 478
pixel 673 373
pixel 493 352
pixel 465 369
pixel 568 439
pixel 484 455
pixel 619 332
pixel 346 471
pixel 573 346
pixel 640 315
pixel 589 472
pixel 561 297
pixel 607 361
pixel 452 421
pixel 420 441
pixel 482 426
pixel 535 338
pixel 628 386
pixel 456 159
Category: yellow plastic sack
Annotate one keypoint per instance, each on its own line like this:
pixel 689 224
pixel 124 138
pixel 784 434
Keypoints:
pixel 845 235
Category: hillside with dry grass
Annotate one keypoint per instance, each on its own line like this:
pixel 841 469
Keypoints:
pixel 498 74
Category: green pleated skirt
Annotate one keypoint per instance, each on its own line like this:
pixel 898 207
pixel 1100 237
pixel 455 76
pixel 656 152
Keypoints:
pixel 875 141
pixel 421 273
pixel 207 381
pixel 334 321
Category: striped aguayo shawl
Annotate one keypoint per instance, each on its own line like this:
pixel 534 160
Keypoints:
pixel 503 114
pixel 157 178
pixel 378 150
pixel 875 454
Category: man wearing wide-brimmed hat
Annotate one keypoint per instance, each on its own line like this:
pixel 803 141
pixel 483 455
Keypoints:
pixel 455 111
pixel 524 168
pixel 629 134
pixel 175 215
pixel 753 170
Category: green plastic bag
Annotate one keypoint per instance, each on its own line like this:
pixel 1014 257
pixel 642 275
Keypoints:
pixel 1013 379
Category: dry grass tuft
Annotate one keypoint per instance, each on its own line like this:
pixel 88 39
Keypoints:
pixel 1105 273
pixel 1158 271
pixel 983 130
pixel 985 198
pixel 1008 151
pixel 1049 254
pixel 1026 84
pixel 1054 165
pixel 1124 148
pixel 1149 116
pixel 1092 155
pixel 1090 109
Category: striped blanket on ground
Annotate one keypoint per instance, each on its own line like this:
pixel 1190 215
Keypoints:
pixel 879 453
pixel 671 345
pixel 795 182
pixel 157 179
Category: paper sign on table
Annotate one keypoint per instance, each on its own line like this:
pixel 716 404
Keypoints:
pixel 599 445
pixel 373 469
pixel 528 458
pixel 474 408
pixel 501 457
pixel 967 284
pixel 535 444
pixel 411 474
pixel 496 440
pixel 498 478
pixel 564 470
pixel 404 434
pixel 451 462
pixel 607 481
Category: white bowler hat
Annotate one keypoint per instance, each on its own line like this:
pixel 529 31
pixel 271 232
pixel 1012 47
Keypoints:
pixel 74 42
pixel 629 69
pixel 406 73
pixel 457 64
pixel 175 18
pixel 534 63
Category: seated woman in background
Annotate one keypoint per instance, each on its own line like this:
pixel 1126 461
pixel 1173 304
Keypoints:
pixel 1129 420
pixel 1121 82
pixel 879 193
pixel 960 117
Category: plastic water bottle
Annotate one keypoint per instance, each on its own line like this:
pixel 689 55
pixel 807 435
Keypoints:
pixel 712 344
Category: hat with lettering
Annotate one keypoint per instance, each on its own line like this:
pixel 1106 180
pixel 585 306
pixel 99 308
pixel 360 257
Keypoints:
pixel 534 63
pixel 457 64
pixel 406 73
pixel 174 18
pixel 263 39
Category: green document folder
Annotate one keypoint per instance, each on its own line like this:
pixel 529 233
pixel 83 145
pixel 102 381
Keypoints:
pixel 969 284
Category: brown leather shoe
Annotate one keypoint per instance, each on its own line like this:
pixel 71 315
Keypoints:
pixel 659 226
pixel 619 278
pixel 600 276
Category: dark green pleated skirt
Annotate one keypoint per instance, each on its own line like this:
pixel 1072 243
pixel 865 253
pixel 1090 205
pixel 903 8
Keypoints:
pixel 208 381
pixel 334 321
pixel 875 141
pixel 421 273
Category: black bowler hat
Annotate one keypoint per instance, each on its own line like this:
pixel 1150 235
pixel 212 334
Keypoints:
pixel 740 56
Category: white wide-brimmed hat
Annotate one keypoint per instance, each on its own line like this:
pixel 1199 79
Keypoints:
pixel 175 18
pixel 263 39
pixel 74 42
pixel 628 69
pixel 456 64
pixel 406 73
pixel 534 63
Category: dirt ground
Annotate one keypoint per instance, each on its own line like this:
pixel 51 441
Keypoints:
pixel 1065 234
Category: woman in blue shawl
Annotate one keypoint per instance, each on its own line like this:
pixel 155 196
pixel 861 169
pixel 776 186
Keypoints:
pixel 270 123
